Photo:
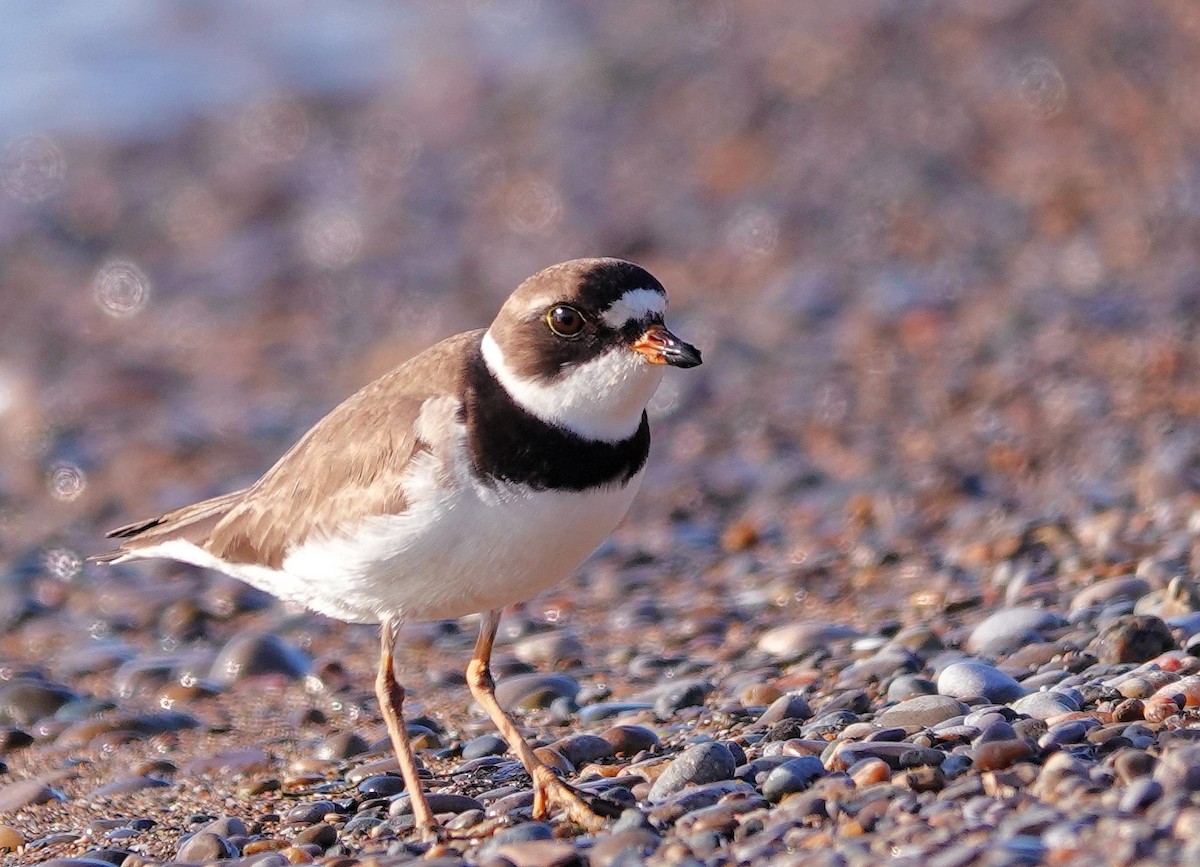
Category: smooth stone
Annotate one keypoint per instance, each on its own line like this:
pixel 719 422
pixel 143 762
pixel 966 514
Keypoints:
pixel 924 710
pixel 1135 638
pixel 539 853
pixel 996 755
pixel 535 691
pixel 794 775
pixel 206 846
pixel 696 798
pixel 1129 587
pixel 1011 627
pixel 255 654
pixel 343 745
pixel 1133 764
pixel 698 764
pixel 581 749
pixel 906 686
pixel 970 679
pixel 439 802
pixel 629 740
pixel 322 835
pixel 1178 770
pixel 619 848
pixel 310 813
pixel 1043 705
pixel 484 745
pixel 790 706
pixel 521 834
pixel 10 838
pixel 225 826
pixel 25 700
pixel 26 793
pixel 1140 794
pixel 609 709
pixel 800 639
pixel 559 650
pixel 381 786
pixel 125 786
pixel 677 696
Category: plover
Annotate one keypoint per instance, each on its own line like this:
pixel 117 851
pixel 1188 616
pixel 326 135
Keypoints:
pixel 471 477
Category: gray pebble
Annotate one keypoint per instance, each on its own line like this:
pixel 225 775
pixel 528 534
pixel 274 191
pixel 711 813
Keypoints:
pixel 343 745
pixel 971 679
pixel 206 846
pixel 484 745
pixel 907 686
pixel 439 802
pixel 581 749
pixel 792 776
pixel 1140 794
pixel 791 706
pixel 26 793
pixel 924 710
pixel 535 691
pixel 1043 705
pixel 1178 770
pixel 701 763
pixel 798 639
pixel 253 654
pixel 1011 627
pixel 25 700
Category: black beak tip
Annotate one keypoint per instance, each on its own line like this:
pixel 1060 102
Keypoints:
pixel 684 356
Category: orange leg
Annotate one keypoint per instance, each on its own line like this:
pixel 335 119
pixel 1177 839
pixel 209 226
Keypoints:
pixel 548 789
pixel 391 702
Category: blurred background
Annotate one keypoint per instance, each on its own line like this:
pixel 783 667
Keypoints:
pixel 943 257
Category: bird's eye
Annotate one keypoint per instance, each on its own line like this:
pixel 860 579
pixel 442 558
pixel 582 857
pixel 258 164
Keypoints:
pixel 564 321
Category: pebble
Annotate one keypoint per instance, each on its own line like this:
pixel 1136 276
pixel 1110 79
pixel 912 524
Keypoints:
pixel 206 846
pixel 1178 770
pixel 535 691
pixel 26 793
pixel 484 745
pixel 257 654
pixel 1128 587
pixel 1135 638
pixel 923 710
pixel 794 775
pixel 700 763
pixel 25 700
pixel 790 706
pixel 800 639
pixel 1045 705
pixel 580 749
pixel 10 838
pixel 343 745
pixel 629 740
pixel 1012 627
pixel 970 679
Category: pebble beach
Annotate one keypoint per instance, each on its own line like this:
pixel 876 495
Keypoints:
pixel 914 575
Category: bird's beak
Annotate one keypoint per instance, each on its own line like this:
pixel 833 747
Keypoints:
pixel 660 346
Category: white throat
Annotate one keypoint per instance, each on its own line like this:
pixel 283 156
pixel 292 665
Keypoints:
pixel 601 400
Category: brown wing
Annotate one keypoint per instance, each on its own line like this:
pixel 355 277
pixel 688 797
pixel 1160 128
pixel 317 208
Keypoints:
pixel 348 466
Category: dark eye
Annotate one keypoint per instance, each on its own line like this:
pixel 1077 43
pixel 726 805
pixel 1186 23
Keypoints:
pixel 564 321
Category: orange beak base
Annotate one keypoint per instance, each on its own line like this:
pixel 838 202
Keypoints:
pixel 660 346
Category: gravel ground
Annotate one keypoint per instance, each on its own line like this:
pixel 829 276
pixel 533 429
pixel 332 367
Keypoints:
pixel 913 576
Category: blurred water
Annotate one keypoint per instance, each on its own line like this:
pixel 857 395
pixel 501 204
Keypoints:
pixel 142 67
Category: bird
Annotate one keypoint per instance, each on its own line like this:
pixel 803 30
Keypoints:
pixel 471 477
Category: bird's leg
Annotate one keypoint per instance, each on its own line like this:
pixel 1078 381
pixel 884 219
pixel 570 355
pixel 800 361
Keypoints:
pixel 548 789
pixel 391 702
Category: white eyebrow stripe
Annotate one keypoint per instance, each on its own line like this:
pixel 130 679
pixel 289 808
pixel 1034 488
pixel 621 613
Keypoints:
pixel 634 306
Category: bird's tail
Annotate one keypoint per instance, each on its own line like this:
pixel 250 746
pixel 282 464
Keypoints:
pixel 192 524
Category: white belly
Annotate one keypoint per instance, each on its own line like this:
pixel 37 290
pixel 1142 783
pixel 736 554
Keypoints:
pixel 475 549
pixel 470 549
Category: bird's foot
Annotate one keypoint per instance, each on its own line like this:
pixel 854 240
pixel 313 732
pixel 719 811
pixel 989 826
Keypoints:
pixel 587 811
